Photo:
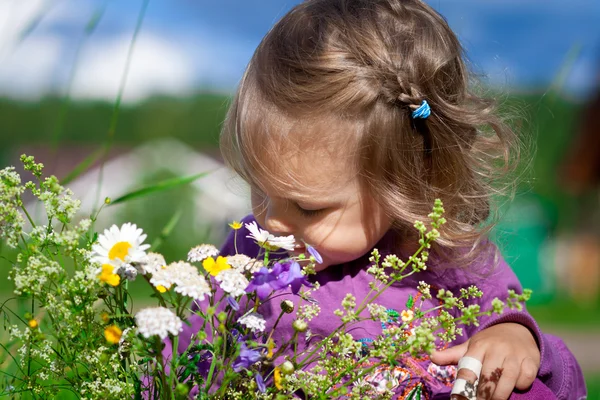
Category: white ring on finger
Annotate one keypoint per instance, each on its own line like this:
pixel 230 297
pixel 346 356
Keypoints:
pixel 463 387
pixel 470 363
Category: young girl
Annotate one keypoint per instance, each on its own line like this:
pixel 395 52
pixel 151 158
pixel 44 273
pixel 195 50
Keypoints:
pixel 351 118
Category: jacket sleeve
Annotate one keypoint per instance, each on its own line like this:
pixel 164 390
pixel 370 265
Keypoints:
pixel 560 375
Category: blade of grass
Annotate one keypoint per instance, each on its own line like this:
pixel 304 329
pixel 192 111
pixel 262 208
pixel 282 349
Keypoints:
pixel 84 165
pixel 159 187
pixel 164 234
pixel 62 116
pixel 115 115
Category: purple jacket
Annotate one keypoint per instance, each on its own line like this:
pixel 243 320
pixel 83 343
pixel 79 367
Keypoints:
pixel 559 377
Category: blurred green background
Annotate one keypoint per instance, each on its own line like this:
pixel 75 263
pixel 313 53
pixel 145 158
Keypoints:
pixel 549 232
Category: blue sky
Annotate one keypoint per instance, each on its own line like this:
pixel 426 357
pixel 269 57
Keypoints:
pixel 189 44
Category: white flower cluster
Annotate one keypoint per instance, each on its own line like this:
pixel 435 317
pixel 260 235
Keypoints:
pixel 185 277
pixel 233 282
pixel 35 274
pixel 243 263
pixel 59 202
pixel 11 218
pixel 106 388
pixel 201 252
pixel 253 321
pixel 158 321
pixel 152 263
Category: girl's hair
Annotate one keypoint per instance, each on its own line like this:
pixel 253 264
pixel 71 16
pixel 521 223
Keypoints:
pixel 358 68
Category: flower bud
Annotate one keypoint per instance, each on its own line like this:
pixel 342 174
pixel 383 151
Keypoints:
pixel 210 311
pixel 201 335
pixel 222 316
pixel 300 325
pixel 287 306
pixel 182 389
pixel 287 367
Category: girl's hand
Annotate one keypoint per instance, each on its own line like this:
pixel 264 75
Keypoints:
pixel 510 358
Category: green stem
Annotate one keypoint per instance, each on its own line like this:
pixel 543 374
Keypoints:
pixel 20 202
pixel 174 361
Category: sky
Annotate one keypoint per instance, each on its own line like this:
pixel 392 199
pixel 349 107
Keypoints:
pixel 190 45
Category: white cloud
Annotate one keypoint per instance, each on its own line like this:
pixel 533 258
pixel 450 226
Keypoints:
pixel 27 64
pixel 28 70
pixel 157 66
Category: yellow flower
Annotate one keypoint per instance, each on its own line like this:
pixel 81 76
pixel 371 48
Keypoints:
pixel 161 288
pixel 105 317
pixel 277 378
pixel 270 347
pixel 113 334
pixel 235 225
pixel 33 323
pixel 214 267
pixel 407 315
pixel 108 276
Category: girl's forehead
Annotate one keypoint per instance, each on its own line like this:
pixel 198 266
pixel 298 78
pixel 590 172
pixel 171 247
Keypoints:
pixel 308 174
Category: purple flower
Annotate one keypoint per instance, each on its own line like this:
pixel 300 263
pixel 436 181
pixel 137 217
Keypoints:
pixel 246 358
pixel 290 274
pixel 261 383
pixel 264 282
pixel 313 252
pixel 232 303
pixel 296 278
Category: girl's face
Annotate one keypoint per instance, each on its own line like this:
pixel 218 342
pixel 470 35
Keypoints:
pixel 337 219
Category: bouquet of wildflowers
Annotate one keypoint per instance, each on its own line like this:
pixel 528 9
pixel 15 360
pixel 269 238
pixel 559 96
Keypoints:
pixel 74 332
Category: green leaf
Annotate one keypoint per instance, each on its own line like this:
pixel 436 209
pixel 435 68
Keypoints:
pixel 410 302
pixel 159 187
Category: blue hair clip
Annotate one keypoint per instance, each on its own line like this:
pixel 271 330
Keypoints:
pixel 423 111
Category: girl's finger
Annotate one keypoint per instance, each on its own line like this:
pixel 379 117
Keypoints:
pixel 508 378
pixel 450 355
pixel 529 370
pixel 490 375
pixel 467 375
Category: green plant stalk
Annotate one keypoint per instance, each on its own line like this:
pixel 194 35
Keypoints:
pixel 174 360
pixel 363 306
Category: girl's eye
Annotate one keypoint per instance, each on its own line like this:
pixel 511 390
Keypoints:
pixel 308 213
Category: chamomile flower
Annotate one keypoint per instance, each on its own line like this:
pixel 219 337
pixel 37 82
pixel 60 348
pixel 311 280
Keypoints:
pixel 158 321
pixel 117 246
pixel 269 241
pixel 201 252
pixel 253 321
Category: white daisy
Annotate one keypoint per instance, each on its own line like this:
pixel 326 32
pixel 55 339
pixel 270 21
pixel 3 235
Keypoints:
pixel 185 277
pixel 254 321
pixel 117 246
pixel 201 252
pixel 233 282
pixel 158 321
pixel 242 263
pixel 269 241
